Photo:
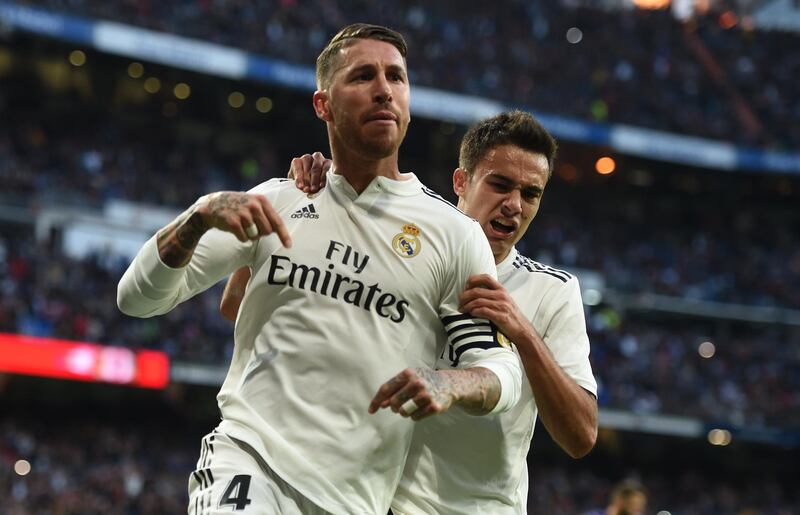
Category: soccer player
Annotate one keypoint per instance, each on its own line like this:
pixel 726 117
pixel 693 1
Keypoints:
pixel 462 464
pixel 362 282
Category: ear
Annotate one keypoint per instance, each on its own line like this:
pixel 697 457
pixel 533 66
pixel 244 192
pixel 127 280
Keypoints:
pixel 322 105
pixel 460 181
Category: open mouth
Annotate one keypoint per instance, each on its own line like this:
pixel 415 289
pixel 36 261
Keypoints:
pixel 501 227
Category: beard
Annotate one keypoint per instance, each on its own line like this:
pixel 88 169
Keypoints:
pixel 369 142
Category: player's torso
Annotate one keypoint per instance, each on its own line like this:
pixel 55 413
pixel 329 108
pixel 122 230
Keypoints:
pixel 477 463
pixel 365 275
pixel 324 323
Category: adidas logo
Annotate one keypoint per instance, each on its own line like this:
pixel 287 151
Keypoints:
pixel 306 212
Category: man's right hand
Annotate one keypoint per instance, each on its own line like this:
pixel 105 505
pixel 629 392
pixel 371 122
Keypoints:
pixel 309 172
pixel 247 216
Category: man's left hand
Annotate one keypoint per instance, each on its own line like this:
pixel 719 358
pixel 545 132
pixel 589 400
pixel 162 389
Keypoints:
pixel 485 297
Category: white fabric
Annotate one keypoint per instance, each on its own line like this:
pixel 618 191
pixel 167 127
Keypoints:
pixel 461 464
pixel 325 323
pixel 231 478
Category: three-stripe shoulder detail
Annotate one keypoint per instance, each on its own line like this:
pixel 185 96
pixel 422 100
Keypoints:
pixel 525 263
pixel 429 192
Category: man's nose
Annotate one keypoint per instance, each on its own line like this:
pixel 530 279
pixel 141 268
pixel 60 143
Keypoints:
pixel 382 93
pixel 512 205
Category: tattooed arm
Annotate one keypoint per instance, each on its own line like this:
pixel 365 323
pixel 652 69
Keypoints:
pixel 230 211
pixel 175 265
pixel 476 390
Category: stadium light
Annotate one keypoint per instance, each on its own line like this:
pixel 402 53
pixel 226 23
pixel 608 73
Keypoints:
pixel 574 35
pixel 182 91
pixel 706 350
pixel 152 85
pixel 264 105
pixel 605 165
pixel 720 437
pixel 652 4
pixel 77 58
pixel 236 99
pixel 135 70
pixel 22 467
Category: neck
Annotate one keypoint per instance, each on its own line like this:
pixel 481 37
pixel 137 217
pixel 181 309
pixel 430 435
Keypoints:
pixel 500 256
pixel 360 170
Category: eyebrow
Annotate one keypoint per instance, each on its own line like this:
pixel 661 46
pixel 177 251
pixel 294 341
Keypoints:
pixel 370 67
pixel 508 182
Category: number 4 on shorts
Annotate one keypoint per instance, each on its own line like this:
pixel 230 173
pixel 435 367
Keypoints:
pixel 236 492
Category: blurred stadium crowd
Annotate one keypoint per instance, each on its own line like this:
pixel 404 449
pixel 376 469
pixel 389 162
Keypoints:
pixel 650 228
pixel 709 77
pixel 99 468
pixel 706 246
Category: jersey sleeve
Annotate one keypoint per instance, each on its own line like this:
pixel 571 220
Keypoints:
pixel 149 287
pixel 471 341
pixel 565 336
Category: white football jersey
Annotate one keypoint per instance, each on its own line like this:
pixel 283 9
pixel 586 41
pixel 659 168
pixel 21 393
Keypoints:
pixel 462 464
pixel 369 287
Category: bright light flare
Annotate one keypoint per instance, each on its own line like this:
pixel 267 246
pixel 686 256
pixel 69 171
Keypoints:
pixel 605 165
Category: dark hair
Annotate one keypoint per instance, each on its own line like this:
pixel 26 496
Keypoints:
pixel 516 128
pixel 348 36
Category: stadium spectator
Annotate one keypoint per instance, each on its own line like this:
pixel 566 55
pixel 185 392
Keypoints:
pixel 697 74
pixel 629 497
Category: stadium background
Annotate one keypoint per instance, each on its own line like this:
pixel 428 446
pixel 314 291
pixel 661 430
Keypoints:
pixel 116 115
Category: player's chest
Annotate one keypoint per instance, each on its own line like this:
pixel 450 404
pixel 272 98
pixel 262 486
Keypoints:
pixel 335 243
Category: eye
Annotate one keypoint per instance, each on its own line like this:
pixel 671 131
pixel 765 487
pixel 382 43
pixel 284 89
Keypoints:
pixel 500 186
pixel 362 76
pixel 531 195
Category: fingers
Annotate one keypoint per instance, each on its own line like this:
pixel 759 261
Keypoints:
pixel 399 392
pixel 389 389
pixel 473 294
pixel 295 167
pixel 317 171
pixel 482 281
pixel 275 221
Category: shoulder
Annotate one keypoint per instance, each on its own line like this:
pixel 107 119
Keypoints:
pixel 445 210
pixel 273 185
pixel 539 271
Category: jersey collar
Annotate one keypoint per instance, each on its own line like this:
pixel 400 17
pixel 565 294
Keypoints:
pixel 410 185
pixel 507 264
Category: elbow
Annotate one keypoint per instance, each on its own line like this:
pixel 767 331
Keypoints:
pixel 128 304
pixel 124 304
pixel 583 443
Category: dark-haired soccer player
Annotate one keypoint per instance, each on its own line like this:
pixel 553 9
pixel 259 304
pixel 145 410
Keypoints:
pixel 369 287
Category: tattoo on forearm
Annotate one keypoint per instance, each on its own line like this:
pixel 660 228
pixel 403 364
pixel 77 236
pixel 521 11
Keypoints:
pixel 476 390
pixel 177 241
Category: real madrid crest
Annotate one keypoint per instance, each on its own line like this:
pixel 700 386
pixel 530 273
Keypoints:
pixel 503 340
pixel 407 243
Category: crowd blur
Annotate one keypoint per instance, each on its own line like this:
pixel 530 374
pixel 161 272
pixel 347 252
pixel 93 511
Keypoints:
pixel 713 76
pixel 657 237
pixel 90 467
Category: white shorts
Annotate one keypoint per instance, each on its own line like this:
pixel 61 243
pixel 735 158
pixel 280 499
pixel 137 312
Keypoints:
pixel 232 478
